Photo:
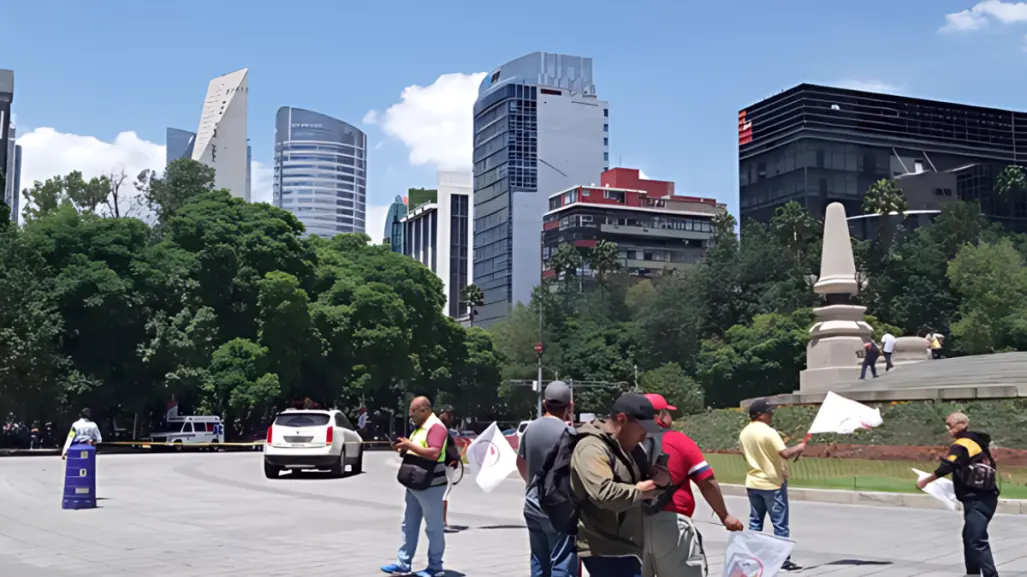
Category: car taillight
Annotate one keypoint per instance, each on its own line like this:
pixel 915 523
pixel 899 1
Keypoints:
pixel 329 435
pixel 269 428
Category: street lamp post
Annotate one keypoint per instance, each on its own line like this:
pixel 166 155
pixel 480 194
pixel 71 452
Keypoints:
pixel 538 386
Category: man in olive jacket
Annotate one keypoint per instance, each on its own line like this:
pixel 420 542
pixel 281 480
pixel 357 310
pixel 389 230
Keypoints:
pixel 610 479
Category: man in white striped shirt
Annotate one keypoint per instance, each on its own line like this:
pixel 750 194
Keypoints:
pixel 672 543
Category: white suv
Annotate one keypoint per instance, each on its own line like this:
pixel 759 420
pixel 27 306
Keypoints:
pixel 312 439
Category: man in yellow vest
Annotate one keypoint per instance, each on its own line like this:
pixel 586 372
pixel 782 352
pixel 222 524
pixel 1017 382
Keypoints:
pixel 423 473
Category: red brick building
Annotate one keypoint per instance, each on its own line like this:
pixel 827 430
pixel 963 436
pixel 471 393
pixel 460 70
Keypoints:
pixel 653 228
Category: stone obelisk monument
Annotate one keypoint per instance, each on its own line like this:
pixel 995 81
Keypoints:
pixel 840 331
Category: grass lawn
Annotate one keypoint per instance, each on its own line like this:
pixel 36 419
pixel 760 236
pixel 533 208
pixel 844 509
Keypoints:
pixel 856 474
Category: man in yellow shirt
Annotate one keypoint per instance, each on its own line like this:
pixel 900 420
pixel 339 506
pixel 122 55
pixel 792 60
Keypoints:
pixel 767 481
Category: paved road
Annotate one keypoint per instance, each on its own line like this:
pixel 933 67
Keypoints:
pixel 215 515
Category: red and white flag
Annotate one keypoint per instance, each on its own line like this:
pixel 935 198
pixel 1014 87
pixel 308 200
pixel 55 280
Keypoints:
pixel 491 458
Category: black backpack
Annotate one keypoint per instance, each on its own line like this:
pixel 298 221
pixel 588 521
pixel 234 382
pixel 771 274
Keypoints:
pixel 980 474
pixel 553 482
pixel 452 452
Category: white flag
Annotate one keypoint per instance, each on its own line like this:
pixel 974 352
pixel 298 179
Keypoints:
pixel 491 458
pixel 941 489
pixel 752 554
pixel 844 416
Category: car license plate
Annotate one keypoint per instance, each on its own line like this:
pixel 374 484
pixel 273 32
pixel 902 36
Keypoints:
pixel 296 444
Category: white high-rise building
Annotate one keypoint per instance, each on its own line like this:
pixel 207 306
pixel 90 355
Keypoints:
pixel 538 128
pixel 221 138
pixel 438 234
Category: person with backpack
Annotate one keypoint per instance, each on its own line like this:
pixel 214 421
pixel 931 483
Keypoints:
pixel 453 462
pixel 975 479
pixel 598 491
pixel 871 352
pixel 553 553
pixel 673 545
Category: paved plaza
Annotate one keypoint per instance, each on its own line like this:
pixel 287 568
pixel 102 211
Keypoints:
pixel 214 514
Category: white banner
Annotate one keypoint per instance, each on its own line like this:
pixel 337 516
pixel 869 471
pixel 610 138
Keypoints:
pixel 751 554
pixel 941 489
pixel 491 458
pixel 843 416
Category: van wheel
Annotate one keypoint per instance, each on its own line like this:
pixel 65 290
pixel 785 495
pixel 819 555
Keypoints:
pixel 339 468
pixel 215 446
pixel 358 467
pixel 271 471
pixel 177 446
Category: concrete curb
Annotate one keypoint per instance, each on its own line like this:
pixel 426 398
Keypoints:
pixel 911 500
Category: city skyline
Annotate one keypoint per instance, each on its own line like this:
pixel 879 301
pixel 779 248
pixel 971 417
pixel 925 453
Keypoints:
pixel 674 116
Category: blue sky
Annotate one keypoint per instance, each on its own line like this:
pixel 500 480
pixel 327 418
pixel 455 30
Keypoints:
pixel 675 73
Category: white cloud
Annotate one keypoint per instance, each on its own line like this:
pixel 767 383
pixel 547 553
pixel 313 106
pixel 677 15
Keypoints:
pixel 47 153
pixel 870 86
pixel 435 122
pixel 978 16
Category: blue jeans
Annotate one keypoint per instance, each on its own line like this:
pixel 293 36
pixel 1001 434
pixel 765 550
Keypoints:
pixel 774 502
pixel 868 363
pixel 613 566
pixel 427 505
pixel 553 554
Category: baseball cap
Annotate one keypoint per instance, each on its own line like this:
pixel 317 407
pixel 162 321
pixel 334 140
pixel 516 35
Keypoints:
pixel 557 393
pixel 760 407
pixel 447 409
pixel 659 403
pixel 635 407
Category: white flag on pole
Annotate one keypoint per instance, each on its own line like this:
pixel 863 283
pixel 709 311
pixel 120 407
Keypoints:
pixel 941 489
pixel 843 416
pixel 752 554
pixel 491 458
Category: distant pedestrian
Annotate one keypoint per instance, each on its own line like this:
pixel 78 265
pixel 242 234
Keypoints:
pixel 553 553
pixel 975 480
pixel 423 473
pixel 673 545
pixel 871 352
pixel 84 430
pixel 888 347
pixel 453 462
pixel 767 481
pixel 934 341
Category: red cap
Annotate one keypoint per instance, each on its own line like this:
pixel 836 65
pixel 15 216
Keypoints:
pixel 659 403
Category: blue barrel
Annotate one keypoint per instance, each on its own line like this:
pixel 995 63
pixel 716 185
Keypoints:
pixel 80 478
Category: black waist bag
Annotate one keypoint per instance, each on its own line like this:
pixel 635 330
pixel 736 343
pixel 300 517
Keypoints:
pixel 416 473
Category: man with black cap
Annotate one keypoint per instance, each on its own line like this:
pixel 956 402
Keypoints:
pixel 767 481
pixel 610 478
pixel 553 553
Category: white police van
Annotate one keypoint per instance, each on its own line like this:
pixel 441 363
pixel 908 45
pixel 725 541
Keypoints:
pixel 199 431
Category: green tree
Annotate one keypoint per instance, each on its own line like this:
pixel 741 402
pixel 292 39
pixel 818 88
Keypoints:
pixel 679 389
pixel 237 384
pixel 604 261
pixel 473 297
pixel 182 180
pixel 884 197
pixel 992 283
pixel 566 263
pixel 1011 183
pixel 289 335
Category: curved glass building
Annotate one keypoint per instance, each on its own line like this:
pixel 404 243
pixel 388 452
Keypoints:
pixel 394 225
pixel 320 172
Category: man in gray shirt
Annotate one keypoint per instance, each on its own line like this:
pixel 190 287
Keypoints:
pixel 553 554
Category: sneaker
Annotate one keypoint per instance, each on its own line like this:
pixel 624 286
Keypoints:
pixel 451 529
pixel 789 566
pixel 431 573
pixel 395 569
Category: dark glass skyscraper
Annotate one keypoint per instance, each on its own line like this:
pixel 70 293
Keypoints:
pixel 179 145
pixel 320 172
pixel 817 145
pixel 393 224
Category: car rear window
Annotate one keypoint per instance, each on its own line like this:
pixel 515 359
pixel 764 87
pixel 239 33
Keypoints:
pixel 302 420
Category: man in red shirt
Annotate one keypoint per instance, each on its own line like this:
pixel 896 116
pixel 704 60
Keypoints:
pixel 672 543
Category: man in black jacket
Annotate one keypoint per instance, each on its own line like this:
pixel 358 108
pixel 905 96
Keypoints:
pixel 974 478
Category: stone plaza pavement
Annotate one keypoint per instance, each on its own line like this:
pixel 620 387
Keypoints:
pixel 214 514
